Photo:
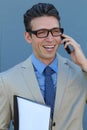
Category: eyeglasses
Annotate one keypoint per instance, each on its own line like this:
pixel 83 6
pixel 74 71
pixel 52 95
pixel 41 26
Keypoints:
pixel 42 33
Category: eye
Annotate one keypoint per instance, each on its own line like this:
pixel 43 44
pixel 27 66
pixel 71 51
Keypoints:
pixel 41 32
pixel 56 31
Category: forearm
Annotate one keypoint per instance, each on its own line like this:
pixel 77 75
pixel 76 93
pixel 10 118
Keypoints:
pixel 84 65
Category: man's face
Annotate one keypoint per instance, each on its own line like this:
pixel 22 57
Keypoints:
pixel 45 48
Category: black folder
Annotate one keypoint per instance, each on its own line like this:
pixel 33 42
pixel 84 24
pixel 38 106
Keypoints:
pixel 30 115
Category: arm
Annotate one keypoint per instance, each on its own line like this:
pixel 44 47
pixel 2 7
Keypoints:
pixel 4 108
pixel 77 55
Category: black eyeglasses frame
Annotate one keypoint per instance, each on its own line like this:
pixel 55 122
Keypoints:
pixel 48 30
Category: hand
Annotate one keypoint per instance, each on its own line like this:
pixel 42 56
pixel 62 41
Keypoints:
pixel 77 54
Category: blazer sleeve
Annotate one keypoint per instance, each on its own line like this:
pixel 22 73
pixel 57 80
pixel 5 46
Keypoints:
pixel 5 113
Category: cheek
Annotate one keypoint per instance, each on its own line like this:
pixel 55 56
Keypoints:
pixel 58 40
pixel 36 46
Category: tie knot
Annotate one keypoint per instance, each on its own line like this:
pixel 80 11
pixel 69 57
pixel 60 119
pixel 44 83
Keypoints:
pixel 48 71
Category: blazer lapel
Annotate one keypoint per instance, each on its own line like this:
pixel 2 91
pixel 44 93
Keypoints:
pixel 30 79
pixel 61 83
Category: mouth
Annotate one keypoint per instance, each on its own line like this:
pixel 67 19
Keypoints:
pixel 49 48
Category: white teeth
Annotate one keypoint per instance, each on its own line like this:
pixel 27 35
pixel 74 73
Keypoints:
pixel 48 46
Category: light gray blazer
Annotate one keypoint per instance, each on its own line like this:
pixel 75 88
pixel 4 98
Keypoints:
pixel 71 93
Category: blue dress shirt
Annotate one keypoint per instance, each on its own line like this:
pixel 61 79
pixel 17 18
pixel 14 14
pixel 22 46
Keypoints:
pixel 39 68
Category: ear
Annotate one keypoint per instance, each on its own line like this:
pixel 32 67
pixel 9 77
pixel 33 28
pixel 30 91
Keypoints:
pixel 27 37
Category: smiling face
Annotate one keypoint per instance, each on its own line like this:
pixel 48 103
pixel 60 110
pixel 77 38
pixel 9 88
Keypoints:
pixel 44 48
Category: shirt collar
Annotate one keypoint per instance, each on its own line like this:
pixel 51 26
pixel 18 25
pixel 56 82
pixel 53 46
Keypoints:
pixel 40 66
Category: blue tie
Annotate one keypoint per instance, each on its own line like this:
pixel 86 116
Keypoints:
pixel 49 89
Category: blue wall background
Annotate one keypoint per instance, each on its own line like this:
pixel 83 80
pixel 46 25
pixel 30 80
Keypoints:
pixel 13 47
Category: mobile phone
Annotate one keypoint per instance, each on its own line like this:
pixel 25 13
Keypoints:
pixel 69 49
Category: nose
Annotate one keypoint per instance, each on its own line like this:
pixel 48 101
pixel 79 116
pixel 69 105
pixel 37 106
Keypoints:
pixel 50 36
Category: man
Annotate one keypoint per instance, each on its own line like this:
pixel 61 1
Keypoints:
pixel 27 79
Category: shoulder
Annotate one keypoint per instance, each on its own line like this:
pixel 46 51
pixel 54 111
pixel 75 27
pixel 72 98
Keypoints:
pixel 68 64
pixel 16 69
pixel 72 71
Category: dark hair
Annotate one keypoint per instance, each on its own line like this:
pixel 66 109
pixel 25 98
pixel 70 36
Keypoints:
pixel 38 10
